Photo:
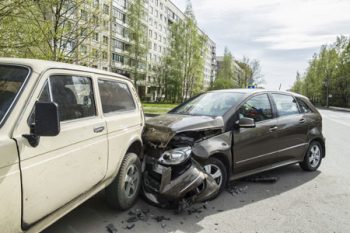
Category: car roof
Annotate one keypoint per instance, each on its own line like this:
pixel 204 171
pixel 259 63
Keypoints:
pixel 39 66
pixel 254 91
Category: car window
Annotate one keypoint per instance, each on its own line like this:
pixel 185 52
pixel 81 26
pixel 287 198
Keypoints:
pixel 12 79
pixel 115 96
pixel 258 108
pixel 285 104
pixel 303 106
pixel 74 96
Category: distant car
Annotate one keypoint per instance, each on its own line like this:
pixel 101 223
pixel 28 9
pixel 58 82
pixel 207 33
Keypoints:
pixel 66 132
pixel 232 134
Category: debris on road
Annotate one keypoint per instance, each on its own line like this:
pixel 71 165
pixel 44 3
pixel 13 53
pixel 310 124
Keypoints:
pixel 262 179
pixel 235 190
pixel 130 226
pixel 161 218
pixel 111 228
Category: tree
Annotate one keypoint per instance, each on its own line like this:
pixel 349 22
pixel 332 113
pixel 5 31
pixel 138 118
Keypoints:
pixel 185 59
pixel 251 72
pixel 138 48
pixel 54 29
pixel 226 77
pixel 328 73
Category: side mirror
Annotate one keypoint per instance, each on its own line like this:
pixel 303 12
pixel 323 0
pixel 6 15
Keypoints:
pixel 47 120
pixel 47 123
pixel 246 122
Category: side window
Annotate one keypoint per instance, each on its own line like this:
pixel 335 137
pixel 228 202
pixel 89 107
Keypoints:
pixel 258 108
pixel 74 96
pixel 303 106
pixel 115 96
pixel 286 104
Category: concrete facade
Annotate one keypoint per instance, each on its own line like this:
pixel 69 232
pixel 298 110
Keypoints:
pixel 110 42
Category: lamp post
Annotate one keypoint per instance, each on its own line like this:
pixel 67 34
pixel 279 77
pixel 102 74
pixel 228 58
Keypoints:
pixel 327 91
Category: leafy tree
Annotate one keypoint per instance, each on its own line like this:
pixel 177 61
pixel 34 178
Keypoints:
pixel 328 73
pixel 251 72
pixel 53 29
pixel 138 48
pixel 185 59
pixel 226 77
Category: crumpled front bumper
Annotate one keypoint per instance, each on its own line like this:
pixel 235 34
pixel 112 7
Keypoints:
pixel 166 186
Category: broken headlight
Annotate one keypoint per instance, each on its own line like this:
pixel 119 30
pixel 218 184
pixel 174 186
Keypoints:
pixel 175 156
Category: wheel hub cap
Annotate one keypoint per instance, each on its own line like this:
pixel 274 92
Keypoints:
pixel 215 172
pixel 314 156
pixel 131 181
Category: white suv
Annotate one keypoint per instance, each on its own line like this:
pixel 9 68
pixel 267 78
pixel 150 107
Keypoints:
pixel 66 132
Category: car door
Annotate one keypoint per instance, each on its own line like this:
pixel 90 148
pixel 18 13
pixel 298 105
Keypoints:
pixel 255 147
pixel 123 118
pixel 292 127
pixel 63 167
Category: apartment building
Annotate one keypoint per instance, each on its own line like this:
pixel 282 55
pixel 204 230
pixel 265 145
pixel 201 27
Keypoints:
pixel 109 45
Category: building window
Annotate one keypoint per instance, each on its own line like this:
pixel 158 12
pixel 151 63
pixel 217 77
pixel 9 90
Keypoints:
pixel 96 37
pixel 105 9
pixel 105 39
pixel 84 15
pixel 118 44
pixel 117 58
pixel 104 55
pixel 83 49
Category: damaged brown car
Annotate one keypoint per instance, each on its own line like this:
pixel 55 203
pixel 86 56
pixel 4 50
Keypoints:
pixel 196 148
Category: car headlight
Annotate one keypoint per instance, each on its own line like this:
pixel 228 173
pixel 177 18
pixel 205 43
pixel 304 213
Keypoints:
pixel 175 156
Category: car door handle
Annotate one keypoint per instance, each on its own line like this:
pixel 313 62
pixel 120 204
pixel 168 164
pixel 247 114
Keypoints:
pixel 302 121
pixel 274 128
pixel 99 129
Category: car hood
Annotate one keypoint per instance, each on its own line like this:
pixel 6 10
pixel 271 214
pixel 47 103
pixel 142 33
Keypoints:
pixel 162 129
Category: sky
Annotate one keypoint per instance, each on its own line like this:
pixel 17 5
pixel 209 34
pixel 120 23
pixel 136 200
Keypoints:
pixel 283 35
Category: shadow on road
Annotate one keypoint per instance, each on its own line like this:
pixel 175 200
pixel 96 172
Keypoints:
pixel 94 215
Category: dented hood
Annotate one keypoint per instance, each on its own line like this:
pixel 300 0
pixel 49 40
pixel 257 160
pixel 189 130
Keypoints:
pixel 163 128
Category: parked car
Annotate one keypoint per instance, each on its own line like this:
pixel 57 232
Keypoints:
pixel 231 134
pixel 66 132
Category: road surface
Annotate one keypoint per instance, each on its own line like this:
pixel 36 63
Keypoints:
pixel 298 202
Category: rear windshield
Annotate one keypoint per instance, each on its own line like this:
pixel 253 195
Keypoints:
pixel 12 79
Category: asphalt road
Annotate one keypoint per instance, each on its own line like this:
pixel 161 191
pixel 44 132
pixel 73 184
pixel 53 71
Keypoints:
pixel 298 202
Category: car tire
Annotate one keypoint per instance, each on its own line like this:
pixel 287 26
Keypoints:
pixel 313 157
pixel 123 192
pixel 214 167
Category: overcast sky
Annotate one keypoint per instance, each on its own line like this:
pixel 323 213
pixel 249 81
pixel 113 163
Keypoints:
pixel 282 34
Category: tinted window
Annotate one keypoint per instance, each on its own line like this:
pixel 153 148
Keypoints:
pixel 115 96
pixel 286 104
pixel 303 106
pixel 258 108
pixel 11 81
pixel 74 96
pixel 210 104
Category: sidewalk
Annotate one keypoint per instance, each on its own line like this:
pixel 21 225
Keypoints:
pixel 335 109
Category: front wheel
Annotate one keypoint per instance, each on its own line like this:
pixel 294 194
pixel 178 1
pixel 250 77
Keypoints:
pixel 216 169
pixel 313 157
pixel 122 193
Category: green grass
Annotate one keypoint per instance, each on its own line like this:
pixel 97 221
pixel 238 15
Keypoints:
pixel 157 108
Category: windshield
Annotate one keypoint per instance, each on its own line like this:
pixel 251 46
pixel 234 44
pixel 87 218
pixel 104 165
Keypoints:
pixel 210 104
pixel 11 81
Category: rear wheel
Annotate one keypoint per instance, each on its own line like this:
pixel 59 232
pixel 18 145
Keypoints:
pixel 122 193
pixel 313 157
pixel 216 169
